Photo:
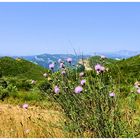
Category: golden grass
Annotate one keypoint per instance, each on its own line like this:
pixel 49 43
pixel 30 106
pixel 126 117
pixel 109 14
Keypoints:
pixel 85 62
pixel 35 122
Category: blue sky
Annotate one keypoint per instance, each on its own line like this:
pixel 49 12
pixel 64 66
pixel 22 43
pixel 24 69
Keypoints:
pixel 36 28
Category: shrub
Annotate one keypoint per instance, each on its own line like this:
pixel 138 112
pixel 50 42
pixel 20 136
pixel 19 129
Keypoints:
pixel 3 83
pixel 45 86
pixel 24 84
pixel 3 93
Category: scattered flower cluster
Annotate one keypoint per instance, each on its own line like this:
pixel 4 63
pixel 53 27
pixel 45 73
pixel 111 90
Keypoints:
pixel 61 64
pixel 98 68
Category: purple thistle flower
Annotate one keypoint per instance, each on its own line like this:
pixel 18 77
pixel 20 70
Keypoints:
pixel 83 82
pixel 63 72
pixel 51 66
pixel 69 60
pixel 99 68
pixel 62 65
pixel 81 74
pixel 138 91
pixel 78 89
pixel 112 94
pixel 25 106
pixel 56 89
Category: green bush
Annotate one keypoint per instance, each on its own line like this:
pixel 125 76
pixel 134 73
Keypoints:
pixel 93 109
pixel 4 93
pixel 3 83
pixel 24 84
pixel 45 86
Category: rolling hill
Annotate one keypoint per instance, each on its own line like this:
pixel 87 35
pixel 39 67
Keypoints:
pixel 126 69
pixel 20 68
pixel 97 59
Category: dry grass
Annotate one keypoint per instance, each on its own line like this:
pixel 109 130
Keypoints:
pixel 85 62
pixel 16 122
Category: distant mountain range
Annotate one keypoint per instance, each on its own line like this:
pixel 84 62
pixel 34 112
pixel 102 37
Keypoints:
pixel 119 54
pixel 45 59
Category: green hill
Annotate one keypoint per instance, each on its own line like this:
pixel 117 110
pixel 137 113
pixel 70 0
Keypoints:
pixel 20 68
pixel 127 69
pixel 97 59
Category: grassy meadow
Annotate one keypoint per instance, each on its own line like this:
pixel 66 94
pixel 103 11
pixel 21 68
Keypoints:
pixel 102 102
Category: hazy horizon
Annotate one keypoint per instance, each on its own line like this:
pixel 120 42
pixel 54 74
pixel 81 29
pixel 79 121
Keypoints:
pixel 59 28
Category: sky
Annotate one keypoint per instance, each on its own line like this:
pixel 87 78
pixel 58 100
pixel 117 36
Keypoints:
pixel 61 28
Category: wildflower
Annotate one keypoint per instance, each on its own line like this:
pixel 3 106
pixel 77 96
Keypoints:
pixel 45 74
pixel 25 106
pixel 62 65
pixel 78 89
pixel 56 89
pixel 51 66
pixel 138 91
pixel 63 72
pixel 81 74
pixel 69 60
pixel 112 94
pixel 83 82
pixel 99 68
